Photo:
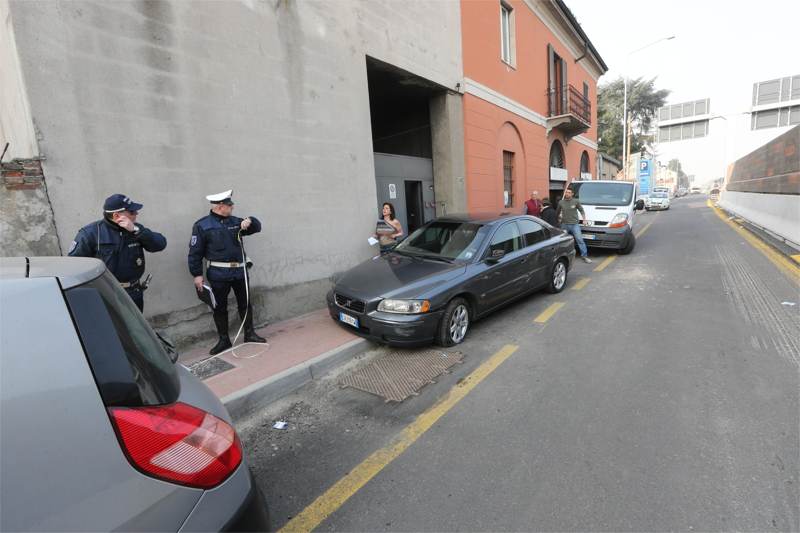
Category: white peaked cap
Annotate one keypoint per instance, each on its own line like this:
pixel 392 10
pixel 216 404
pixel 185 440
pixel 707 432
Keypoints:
pixel 219 196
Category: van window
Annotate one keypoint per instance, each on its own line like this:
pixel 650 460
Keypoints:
pixel 128 361
pixel 612 194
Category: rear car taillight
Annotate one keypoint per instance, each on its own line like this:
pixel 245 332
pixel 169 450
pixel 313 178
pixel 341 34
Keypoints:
pixel 178 443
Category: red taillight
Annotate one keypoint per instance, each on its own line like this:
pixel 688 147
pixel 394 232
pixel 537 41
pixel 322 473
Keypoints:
pixel 178 443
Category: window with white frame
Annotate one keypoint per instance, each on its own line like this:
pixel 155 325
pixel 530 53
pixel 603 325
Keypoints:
pixel 507 33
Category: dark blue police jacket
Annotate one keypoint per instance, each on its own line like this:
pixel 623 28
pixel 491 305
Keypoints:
pixel 121 250
pixel 215 238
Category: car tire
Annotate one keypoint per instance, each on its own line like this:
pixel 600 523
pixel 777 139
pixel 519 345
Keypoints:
pixel 629 246
pixel 455 323
pixel 558 277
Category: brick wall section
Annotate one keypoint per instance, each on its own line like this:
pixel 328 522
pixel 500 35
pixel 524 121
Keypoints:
pixel 22 174
pixel 773 168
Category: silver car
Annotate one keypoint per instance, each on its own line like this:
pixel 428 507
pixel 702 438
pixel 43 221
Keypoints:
pixel 101 430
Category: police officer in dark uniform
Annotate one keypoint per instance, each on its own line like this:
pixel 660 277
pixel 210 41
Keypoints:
pixel 120 243
pixel 217 238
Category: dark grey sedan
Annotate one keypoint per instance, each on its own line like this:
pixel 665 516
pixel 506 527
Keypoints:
pixel 449 273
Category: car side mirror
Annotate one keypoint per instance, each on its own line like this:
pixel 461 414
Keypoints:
pixel 495 256
pixel 639 205
pixel 169 346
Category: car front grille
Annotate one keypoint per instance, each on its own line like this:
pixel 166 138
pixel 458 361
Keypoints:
pixel 350 303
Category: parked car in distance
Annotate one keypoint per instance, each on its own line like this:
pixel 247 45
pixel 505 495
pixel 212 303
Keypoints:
pixel 610 208
pixel 681 192
pixel 657 201
pixel 666 190
pixel 695 190
pixel 447 274
pixel 713 194
pixel 102 431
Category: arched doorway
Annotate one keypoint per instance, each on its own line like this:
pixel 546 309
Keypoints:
pixel 558 171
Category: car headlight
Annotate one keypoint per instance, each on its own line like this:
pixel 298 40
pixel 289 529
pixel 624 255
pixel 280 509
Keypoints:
pixel 619 220
pixel 409 307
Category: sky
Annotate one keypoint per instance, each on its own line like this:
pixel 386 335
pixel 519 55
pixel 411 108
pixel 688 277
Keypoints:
pixel 720 49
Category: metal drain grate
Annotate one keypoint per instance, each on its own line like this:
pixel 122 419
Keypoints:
pixel 210 367
pixel 401 374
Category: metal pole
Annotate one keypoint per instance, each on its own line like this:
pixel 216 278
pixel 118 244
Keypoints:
pixel 625 104
pixel 625 123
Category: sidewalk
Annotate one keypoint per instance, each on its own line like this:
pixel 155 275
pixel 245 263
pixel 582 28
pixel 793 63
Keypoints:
pixel 299 349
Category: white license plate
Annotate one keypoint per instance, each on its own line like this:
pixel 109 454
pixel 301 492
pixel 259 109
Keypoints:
pixel 347 319
pixel 588 236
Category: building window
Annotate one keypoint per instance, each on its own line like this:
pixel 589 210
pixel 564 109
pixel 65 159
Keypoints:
pixel 557 155
pixel 584 162
pixel 508 178
pixel 774 118
pixel 507 33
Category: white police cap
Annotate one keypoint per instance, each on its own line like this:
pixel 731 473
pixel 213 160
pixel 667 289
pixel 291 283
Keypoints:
pixel 220 198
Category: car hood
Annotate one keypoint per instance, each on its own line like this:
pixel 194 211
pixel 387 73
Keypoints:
pixel 396 276
pixel 603 213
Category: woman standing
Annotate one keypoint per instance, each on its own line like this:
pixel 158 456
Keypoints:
pixel 388 228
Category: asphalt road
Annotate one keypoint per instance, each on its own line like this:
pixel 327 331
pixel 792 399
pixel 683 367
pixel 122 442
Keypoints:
pixel 663 395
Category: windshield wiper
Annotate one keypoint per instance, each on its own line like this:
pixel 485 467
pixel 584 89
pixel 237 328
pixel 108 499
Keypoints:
pixel 436 258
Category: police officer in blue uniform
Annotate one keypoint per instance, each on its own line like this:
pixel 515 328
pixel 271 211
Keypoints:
pixel 217 239
pixel 119 241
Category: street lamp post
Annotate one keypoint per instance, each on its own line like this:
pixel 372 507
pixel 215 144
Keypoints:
pixel 625 103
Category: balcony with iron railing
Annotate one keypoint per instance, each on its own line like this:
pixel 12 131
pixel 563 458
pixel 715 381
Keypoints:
pixel 568 110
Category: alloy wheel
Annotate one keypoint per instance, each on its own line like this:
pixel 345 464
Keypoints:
pixel 559 275
pixel 459 322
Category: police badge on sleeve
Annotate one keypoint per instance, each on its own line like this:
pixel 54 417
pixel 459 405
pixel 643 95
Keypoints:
pixel 193 241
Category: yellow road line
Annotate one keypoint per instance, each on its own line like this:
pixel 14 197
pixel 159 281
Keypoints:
pixel 581 283
pixel 645 228
pixel 796 257
pixel 607 261
pixel 321 508
pixel 545 315
pixel 789 269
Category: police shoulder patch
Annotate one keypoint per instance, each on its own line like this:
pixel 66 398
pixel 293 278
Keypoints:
pixel 193 241
pixel 73 246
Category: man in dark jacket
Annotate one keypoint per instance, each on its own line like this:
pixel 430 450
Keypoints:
pixel 548 214
pixel 217 239
pixel 119 241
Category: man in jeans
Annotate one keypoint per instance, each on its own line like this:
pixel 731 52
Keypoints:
pixel 568 208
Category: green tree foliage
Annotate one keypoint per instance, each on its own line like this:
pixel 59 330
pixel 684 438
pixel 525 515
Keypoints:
pixel 643 102
pixel 683 179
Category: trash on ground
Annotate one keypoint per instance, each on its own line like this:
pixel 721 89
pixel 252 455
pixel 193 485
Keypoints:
pixel 789 304
pixel 280 424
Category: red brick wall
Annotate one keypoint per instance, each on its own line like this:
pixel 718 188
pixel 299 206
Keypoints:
pixel 21 174
pixel 773 168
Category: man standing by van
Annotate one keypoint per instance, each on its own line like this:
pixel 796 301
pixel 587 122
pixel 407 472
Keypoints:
pixel 568 209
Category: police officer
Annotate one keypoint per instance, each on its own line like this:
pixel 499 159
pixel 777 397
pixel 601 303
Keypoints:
pixel 120 242
pixel 217 238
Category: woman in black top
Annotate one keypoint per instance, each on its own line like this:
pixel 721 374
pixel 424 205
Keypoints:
pixel 548 214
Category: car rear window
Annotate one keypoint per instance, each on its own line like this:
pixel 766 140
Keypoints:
pixel 129 362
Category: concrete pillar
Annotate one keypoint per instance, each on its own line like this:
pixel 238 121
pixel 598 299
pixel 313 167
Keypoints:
pixel 447 133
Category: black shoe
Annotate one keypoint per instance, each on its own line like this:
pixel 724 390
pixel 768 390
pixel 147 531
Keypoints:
pixel 252 336
pixel 223 344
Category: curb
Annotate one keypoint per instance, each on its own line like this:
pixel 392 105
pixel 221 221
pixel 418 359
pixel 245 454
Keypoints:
pixel 244 402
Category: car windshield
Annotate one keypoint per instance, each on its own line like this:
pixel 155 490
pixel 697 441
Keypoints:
pixel 658 195
pixel 615 194
pixel 448 240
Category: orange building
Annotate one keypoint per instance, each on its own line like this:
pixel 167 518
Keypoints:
pixel 530 95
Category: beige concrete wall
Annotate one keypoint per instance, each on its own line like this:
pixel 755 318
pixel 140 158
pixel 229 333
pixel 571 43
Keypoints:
pixel 16 127
pixel 170 101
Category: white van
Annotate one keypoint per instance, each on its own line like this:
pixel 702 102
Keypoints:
pixel 610 208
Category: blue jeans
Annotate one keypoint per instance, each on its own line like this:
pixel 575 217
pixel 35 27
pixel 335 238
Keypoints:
pixel 575 231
